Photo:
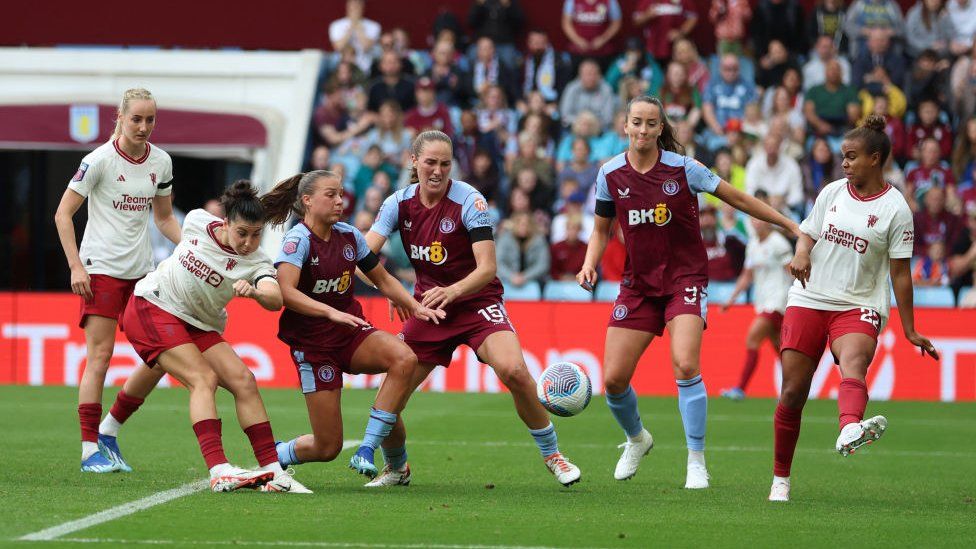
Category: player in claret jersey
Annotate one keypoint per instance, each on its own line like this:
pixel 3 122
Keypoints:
pixel 324 324
pixel 175 318
pixel 859 232
pixel 123 180
pixel 653 190
pixel 447 233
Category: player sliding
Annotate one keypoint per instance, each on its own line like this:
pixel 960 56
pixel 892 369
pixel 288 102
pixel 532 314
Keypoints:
pixel 122 180
pixel 447 232
pixel 175 319
pixel 324 324
pixel 859 232
pixel 767 256
pixel 654 191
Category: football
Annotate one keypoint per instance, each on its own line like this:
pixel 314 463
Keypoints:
pixel 564 389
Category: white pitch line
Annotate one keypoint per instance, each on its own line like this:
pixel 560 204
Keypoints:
pixel 325 544
pixel 127 509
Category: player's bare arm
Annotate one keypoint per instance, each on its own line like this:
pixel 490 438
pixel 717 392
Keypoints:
pixel 594 252
pixel 800 265
pixel 398 295
pixel 71 201
pixel 294 299
pixel 375 241
pixel 266 293
pixel 901 283
pixel 484 272
pixel 162 207
pixel 755 207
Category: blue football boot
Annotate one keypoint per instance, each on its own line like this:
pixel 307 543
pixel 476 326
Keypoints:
pixel 362 462
pixel 98 463
pixel 109 446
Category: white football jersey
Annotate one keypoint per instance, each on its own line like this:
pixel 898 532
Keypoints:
pixel 770 280
pixel 120 190
pixel 197 281
pixel 855 238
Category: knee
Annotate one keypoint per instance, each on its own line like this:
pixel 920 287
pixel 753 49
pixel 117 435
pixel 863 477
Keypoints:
pixel 792 396
pixel 615 384
pixel 202 379
pixel 241 382
pixel 326 451
pixel 686 369
pixel 515 376
pixel 403 365
pixel 99 355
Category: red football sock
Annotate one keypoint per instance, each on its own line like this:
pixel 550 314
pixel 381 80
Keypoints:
pixel 124 406
pixel 262 441
pixel 786 429
pixel 89 415
pixel 852 399
pixel 208 435
pixel 752 358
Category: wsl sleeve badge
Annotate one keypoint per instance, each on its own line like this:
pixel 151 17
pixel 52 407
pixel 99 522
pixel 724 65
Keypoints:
pixel 80 174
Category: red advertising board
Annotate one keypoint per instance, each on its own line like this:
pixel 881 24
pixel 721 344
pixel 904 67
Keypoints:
pixel 41 344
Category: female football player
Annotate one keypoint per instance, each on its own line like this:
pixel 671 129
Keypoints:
pixel 859 232
pixel 324 324
pixel 123 180
pixel 447 232
pixel 653 189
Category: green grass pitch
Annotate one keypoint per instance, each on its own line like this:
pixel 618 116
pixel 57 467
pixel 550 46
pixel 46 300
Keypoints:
pixel 478 480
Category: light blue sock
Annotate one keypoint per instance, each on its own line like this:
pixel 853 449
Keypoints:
pixel 545 439
pixel 624 409
pixel 286 453
pixel 396 458
pixel 379 425
pixel 693 405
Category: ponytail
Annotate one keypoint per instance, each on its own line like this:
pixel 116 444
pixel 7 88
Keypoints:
pixel 418 146
pixel 286 197
pixel 240 201
pixel 132 94
pixel 667 140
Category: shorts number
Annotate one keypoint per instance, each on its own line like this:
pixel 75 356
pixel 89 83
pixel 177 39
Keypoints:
pixel 871 317
pixel 908 236
pixel 494 313
pixel 691 296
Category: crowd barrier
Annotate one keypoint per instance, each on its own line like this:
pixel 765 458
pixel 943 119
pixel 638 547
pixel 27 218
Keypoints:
pixel 41 344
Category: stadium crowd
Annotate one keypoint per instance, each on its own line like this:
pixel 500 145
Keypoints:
pixel 532 125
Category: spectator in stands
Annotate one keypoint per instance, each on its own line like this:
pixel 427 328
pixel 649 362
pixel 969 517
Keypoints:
pixel 879 104
pixel 831 108
pixel 575 206
pixel 540 195
pixel 681 100
pixel 587 128
pixel 962 257
pixel 962 82
pixel 866 16
pixel 776 174
pixel 450 79
pixel 371 203
pixel 726 253
pixel 501 22
pixel 634 63
pixel 964 152
pixel 730 19
pixel 928 27
pixel 484 174
pixel 349 79
pixel 590 27
pixel 581 167
pixel 928 126
pixel 588 92
pixel 391 85
pixel 929 79
pixel 540 118
pixel 931 172
pixel 388 43
pixel 686 53
pixel 754 126
pixel 470 139
pixel 356 31
pixel 489 69
pixel 932 269
pixel 827 19
pixel 331 118
pixel 724 167
pixel 815 70
pixel 786 113
pixel 372 163
pixel 962 13
pixel 773 65
pixel 821 167
pixel 566 189
pixel 389 134
pixel 567 255
pixel 778 20
pixel 878 62
pixel 522 254
pixel 429 114
pixel 320 158
pixel 613 141
pixel 664 22
pixel 725 99
pixel 685 135
pixel 544 69
pixel 792 83
pixel 934 223
pixel 494 116
pixel 532 156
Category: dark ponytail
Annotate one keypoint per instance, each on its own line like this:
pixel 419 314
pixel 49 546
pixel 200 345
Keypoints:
pixel 286 197
pixel 667 140
pixel 872 134
pixel 240 201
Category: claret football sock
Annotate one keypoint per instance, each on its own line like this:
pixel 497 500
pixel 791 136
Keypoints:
pixel 752 359
pixel 852 399
pixel 88 416
pixel 546 440
pixel 786 431
pixel 123 407
pixel 212 448
pixel 263 443
pixel 623 406
pixel 693 405
pixel 378 427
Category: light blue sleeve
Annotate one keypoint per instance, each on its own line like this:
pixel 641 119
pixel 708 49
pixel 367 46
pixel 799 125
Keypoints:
pixel 474 212
pixel 602 192
pixel 362 248
pixel 568 7
pixel 615 13
pixel 388 216
pixel 294 249
pixel 700 178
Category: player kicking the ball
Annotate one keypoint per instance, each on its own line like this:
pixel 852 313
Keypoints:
pixel 859 232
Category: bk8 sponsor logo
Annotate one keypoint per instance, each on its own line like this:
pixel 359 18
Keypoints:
pixel 336 285
pixel 436 253
pixel 660 215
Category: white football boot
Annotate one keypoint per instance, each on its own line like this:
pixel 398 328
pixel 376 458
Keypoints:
pixel 633 453
pixel 780 490
pixel 391 477
pixel 855 435
pixel 697 476
pixel 285 482
pixel 234 478
pixel 566 473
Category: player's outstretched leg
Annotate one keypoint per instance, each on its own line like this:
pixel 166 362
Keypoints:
pixel 100 339
pixel 798 370
pixel 686 336
pixel 855 352
pixel 142 381
pixel 622 350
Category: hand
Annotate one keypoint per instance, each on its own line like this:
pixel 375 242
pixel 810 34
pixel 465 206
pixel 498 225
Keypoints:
pixel 243 288
pixel 586 278
pixel 81 283
pixel 430 315
pixel 439 297
pixel 923 343
pixel 346 319
pixel 725 306
pixel 794 229
pixel 402 313
pixel 800 268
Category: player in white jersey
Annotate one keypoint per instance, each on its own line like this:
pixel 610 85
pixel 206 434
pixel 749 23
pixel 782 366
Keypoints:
pixel 859 232
pixel 767 256
pixel 175 318
pixel 123 180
